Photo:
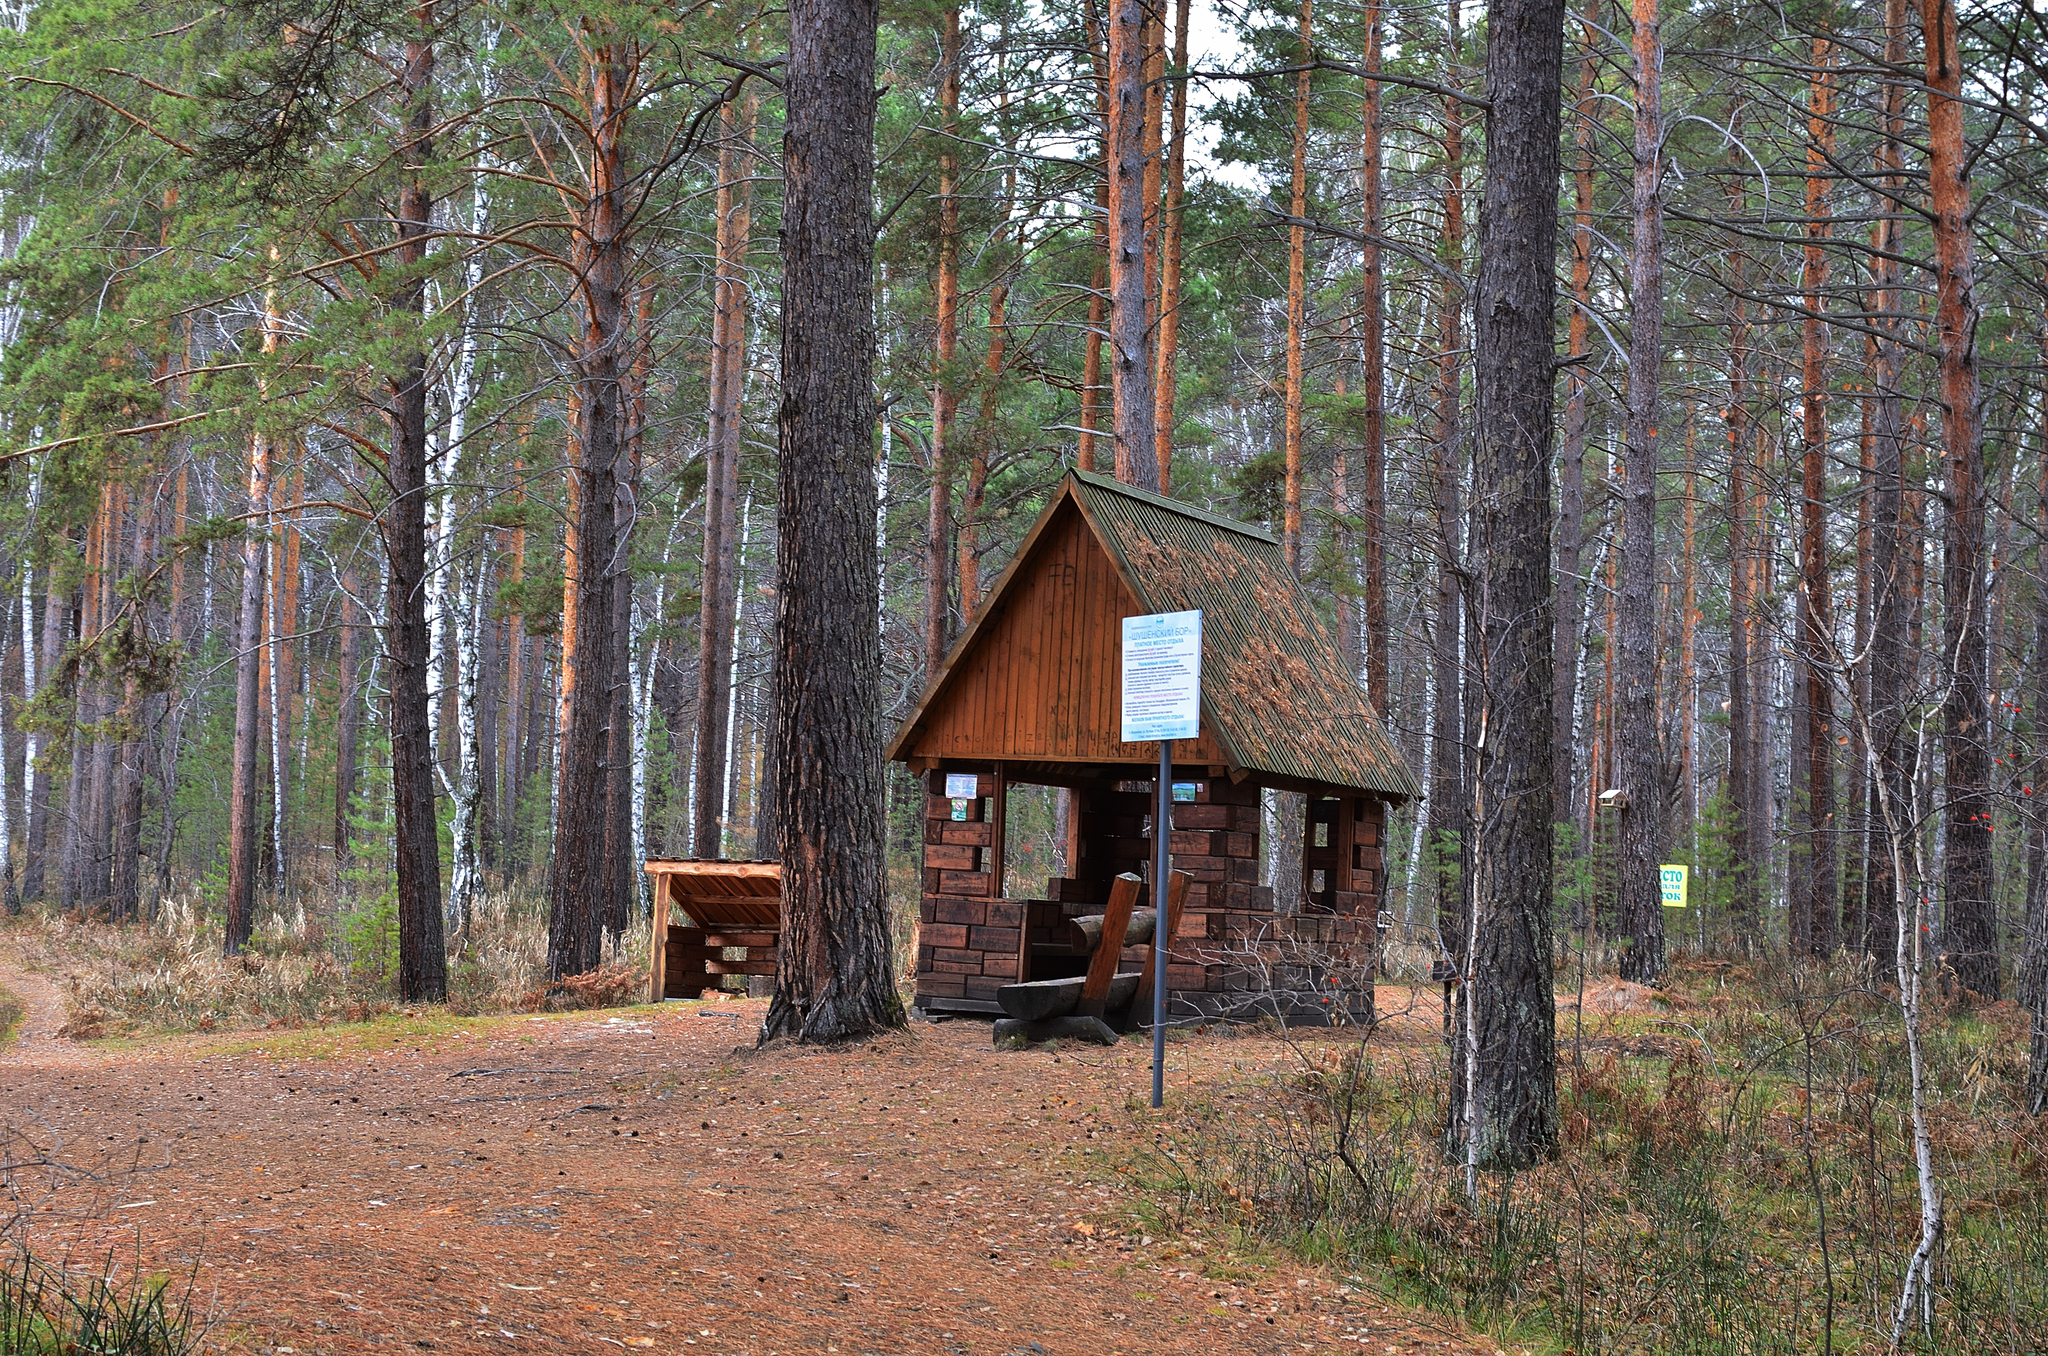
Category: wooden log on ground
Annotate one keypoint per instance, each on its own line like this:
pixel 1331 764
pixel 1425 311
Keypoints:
pixel 1056 1028
pixel 1123 898
pixel 1085 934
pixel 1044 999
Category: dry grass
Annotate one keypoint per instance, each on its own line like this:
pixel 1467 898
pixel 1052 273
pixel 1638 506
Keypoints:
pixel 1732 1177
pixel 308 968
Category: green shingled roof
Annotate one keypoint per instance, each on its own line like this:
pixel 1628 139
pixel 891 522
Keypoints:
pixel 1274 688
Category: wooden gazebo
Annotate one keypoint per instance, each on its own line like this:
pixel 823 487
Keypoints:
pixel 1030 694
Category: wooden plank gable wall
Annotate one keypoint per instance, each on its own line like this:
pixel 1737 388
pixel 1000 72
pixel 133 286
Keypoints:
pixel 1043 676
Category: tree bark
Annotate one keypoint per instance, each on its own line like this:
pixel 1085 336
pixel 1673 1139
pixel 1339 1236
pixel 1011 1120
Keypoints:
pixel 1448 804
pixel 1748 760
pixel 1098 282
pixel 720 574
pixel 1856 824
pixel 489 693
pixel 348 722
pixel 1130 349
pixel 2033 967
pixel 1297 292
pixel 1637 732
pixel 1688 693
pixel 1373 380
pixel 984 438
pixel 513 779
pixel 422 956
pixel 622 836
pixel 584 873
pixel 91 819
pixel 36 850
pixel 833 968
pixel 283 675
pixel 1512 1083
pixel 1171 215
pixel 938 625
pixel 242 829
pixel 1571 462
pixel 1817 910
pixel 242 846
pixel 1970 927
pixel 126 876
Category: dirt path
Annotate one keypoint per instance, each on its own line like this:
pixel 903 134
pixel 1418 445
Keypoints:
pixel 643 1181
pixel 36 1041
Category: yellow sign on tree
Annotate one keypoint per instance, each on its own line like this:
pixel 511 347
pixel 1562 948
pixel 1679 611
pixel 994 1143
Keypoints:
pixel 1673 879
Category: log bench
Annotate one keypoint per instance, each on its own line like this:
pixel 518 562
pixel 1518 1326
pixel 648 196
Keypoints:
pixel 1078 1006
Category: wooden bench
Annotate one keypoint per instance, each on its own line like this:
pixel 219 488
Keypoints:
pixel 702 909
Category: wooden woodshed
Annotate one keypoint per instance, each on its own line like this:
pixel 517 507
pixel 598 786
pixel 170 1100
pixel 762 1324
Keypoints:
pixel 1030 695
pixel 712 919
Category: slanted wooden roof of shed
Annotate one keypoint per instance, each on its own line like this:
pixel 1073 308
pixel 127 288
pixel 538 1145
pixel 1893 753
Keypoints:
pixel 1277 700
pixel 720 893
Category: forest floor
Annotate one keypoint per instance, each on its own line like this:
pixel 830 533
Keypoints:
pixel 644 1179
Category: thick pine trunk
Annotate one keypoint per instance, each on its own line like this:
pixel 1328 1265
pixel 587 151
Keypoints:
pixel 1638 743
pixel 1512 1079
pixel 1130 349
pixel 834 977
pixel 422 957
pixel 585 839
pixel 1970 927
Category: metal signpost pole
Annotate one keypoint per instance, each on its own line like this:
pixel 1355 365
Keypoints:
pixel 1162 700
pixel 1162 855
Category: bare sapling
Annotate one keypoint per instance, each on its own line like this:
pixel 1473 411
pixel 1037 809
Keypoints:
pixel 1904 840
